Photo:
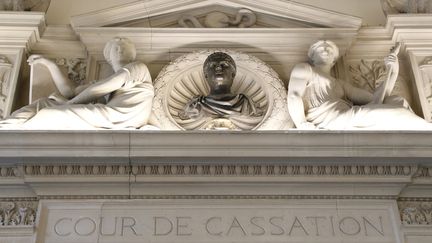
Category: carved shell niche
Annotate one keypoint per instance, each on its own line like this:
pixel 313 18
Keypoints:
pixel 183 79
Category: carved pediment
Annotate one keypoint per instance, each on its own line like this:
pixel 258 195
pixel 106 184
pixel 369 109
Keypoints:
pixel 217 16
pixel 224 13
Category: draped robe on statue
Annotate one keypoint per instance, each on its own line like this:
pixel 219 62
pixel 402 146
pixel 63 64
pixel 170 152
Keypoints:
pixel 327 106
pixel 240 110
pixel 127 107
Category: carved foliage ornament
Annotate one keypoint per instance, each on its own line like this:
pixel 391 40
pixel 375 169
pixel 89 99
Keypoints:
pixel 218 170
pixel 368 75
pixel 244 18
pixel 17 213
pixel 76 68
pixel 416 213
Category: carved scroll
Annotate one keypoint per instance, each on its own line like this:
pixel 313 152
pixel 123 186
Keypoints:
pixel 244 18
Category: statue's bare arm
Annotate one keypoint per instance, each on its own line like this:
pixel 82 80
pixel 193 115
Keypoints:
pixel 100 88
pixel 65 86
pixel 299 79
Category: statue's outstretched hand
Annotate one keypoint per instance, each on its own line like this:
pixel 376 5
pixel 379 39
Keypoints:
pixel 391 61
pixel 36 59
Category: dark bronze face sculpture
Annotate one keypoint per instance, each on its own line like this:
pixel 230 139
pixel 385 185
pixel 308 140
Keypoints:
pixel 221 106
pixel 219 71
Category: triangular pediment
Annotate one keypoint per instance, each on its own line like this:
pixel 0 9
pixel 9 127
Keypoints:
pixel 216 13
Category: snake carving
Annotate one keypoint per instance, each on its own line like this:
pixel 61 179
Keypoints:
pixel 244 18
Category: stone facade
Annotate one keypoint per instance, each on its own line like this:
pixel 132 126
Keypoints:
pixel 231 186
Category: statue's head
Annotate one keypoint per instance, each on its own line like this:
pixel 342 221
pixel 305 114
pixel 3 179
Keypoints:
pixel 219 71
pixel 323 52
pixel 119 50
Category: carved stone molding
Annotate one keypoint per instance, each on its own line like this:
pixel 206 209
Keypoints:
pixel 9 172
pixel 244 18
pixel 198 197
pixel 76 68
pixel 368 74
pixel 416 212
pixel 424 173
pixel 117 146
pixel 218 170
pixel 144 10
pixel 18 213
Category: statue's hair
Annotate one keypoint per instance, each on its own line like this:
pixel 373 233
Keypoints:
pixel 314 46
pixel 220 56
pixel 117 41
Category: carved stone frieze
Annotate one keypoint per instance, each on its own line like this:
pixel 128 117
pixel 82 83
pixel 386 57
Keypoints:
pixel 18 213
pixel 368 75
pixel 423 172
pixel 6 172
pixel 219 170
pixel 416 212
pixel 76 68
pixel 243 19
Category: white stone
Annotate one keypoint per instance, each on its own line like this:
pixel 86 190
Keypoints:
pixel 218 221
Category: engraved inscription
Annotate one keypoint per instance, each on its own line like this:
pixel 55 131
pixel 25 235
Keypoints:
pixel 215 221
pixel 222 226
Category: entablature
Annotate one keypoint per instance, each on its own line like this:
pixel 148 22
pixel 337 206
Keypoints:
pixel 292 145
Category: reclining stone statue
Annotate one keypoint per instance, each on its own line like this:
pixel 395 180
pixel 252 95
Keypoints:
pixel 221 109
pixel 129 93
pixel 318 100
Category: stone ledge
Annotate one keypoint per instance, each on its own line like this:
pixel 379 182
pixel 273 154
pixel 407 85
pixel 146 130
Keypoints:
pixel 21 231
pixel 343 146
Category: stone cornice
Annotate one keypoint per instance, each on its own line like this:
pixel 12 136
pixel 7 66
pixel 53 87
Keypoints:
pixel 280 8
pixel 19 29
pixel 399 146
pixel 413 30
pixel 294 43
